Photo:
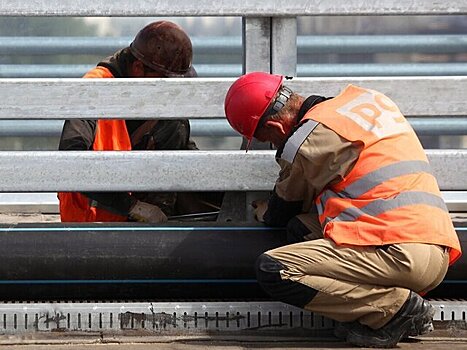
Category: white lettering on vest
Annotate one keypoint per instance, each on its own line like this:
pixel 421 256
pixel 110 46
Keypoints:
pixel 376 113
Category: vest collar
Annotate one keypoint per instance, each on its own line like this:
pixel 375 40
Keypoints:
pixel 117 63
pixel 311 101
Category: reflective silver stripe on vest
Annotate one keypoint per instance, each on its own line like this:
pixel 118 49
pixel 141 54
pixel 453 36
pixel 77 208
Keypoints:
pixel 320 208
pixel 380 206
pixel 296 140
pixel 373 179
pixel 377 177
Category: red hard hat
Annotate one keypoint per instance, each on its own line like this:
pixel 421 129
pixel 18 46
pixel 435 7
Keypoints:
pixel 248 98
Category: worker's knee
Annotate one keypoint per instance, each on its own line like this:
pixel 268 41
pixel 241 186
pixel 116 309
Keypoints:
pixel 269 277
pixel 296 231
pixel 268 269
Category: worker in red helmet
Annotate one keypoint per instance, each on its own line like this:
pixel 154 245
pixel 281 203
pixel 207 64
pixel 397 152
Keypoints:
pixel 369 228
pixel 160 49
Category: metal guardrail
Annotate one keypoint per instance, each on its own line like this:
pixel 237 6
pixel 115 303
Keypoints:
pixel 137 98
pixel 199 128
pixel 228 45
pixel 233 46
pixel 269 44
pixel 381 69
pixel 207 49
pixel 235 70
pixel 50 171
pixel 252 8
pixel 221 128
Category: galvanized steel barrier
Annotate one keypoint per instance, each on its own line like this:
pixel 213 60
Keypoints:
pixel 269 32
pixel 269 44
pixel 199 98
pixel 209 54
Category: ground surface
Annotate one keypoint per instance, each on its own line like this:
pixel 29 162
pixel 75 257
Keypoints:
pixel 446 336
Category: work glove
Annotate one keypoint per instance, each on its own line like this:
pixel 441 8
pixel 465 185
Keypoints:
pixel 260 208
pixel 145 212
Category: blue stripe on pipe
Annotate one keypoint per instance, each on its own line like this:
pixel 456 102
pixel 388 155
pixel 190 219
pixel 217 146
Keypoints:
pixel 164 228
pixel 454 282
pixel 152 281
pixel 156 281
pixel 136 228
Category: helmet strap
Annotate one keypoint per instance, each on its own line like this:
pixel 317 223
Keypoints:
pixel 279 102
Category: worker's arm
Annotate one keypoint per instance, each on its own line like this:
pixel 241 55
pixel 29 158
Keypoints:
pixel 165 135
pixel 77 135
pixel 324 158
pixel 122 203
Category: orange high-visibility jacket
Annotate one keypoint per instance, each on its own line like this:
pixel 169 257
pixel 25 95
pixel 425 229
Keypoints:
pixel 111 135
pixel 390 196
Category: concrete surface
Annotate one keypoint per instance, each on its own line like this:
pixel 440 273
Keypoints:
pixel 446 336
pixel 431 344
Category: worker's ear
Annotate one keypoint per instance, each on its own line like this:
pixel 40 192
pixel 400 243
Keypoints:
pixel 276 126
pixel 137 69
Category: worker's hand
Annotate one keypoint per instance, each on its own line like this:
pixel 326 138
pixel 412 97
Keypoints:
pixel 260 209
pixel 145 212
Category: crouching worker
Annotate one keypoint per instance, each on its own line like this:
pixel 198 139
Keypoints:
pixel 161 49
pixel 386 234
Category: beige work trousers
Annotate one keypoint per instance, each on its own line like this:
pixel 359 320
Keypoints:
pixel 365 284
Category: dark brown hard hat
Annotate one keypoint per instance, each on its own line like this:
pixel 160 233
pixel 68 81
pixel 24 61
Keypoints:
pixel 164 47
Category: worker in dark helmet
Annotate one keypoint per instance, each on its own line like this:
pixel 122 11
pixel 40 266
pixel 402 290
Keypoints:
pixel 384 235
pixel 160 49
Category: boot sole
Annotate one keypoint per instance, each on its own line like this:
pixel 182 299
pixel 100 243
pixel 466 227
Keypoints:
pixel 426 328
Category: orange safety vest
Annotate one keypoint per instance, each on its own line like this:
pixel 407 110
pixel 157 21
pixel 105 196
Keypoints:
pixel 111 135
pixel 390 195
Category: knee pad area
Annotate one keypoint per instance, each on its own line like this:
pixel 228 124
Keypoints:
pixel 268 276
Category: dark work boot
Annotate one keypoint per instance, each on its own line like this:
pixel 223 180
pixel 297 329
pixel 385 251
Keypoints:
pixel 414 317
pixel 342 329
pixel 421 329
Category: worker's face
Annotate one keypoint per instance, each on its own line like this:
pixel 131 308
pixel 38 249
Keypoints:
pixel 140 70
pixel 274 131
pixel 150 73
pixel 261 134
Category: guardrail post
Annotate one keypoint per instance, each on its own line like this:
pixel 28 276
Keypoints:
pixel 256 34
pixel 284 46
pixel 256 57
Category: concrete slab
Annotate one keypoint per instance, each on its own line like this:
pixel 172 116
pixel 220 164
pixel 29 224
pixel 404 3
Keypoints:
pixel 433 344
pixel 446 336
